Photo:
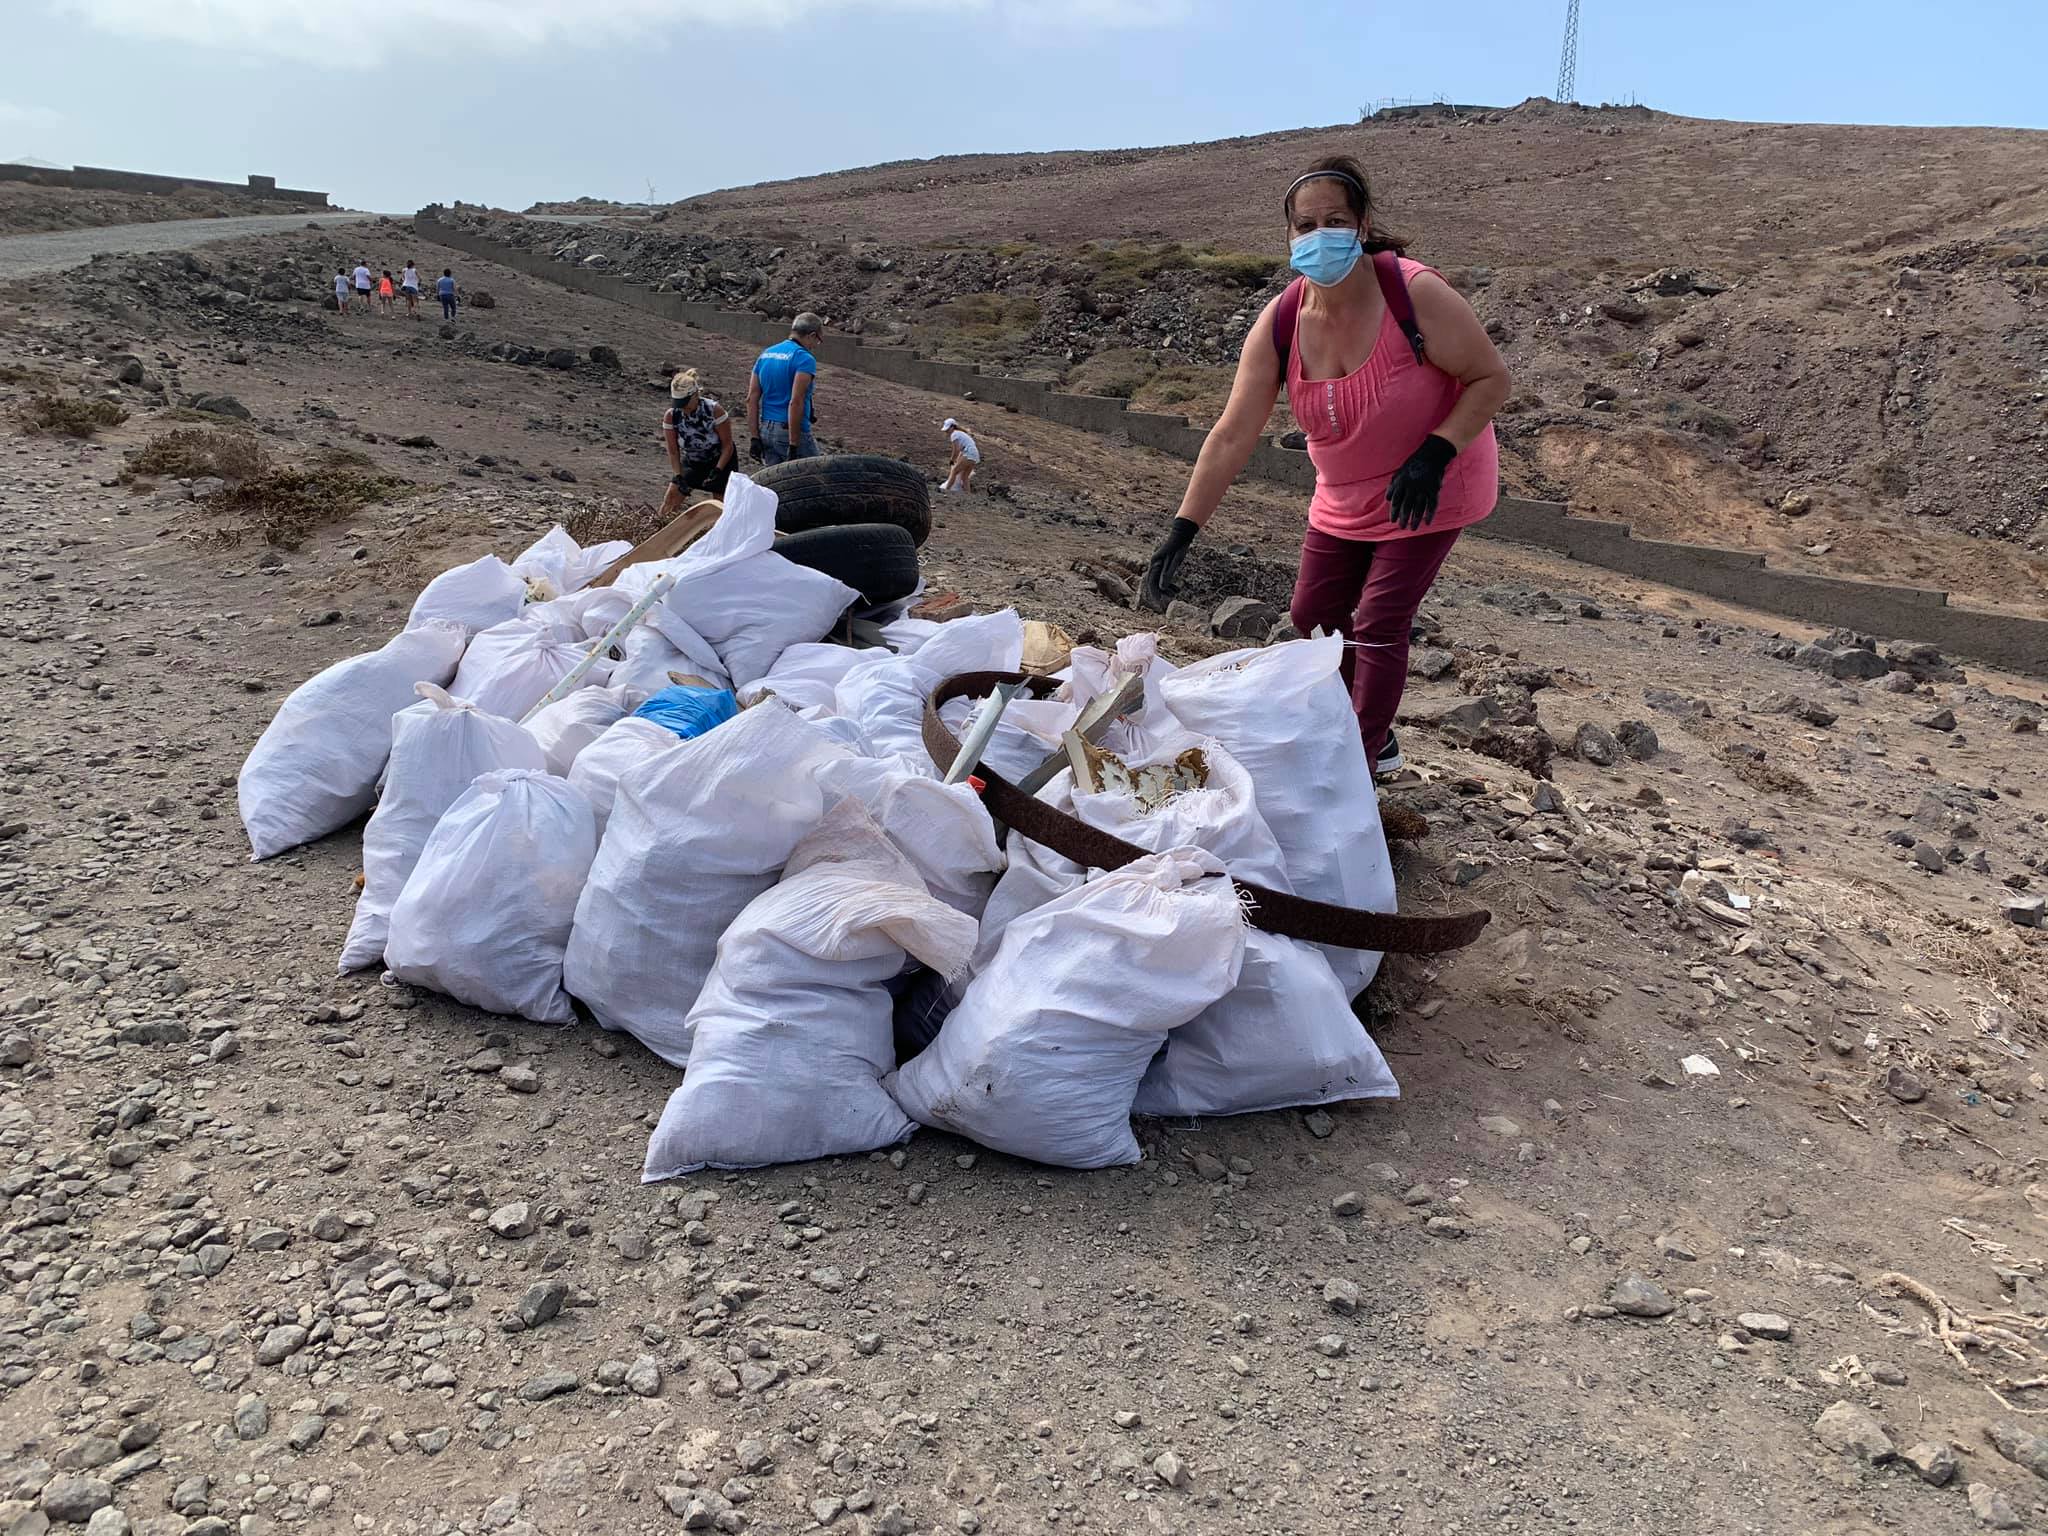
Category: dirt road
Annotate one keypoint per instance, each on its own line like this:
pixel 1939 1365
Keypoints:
pixel 33 255
pixel 287 1252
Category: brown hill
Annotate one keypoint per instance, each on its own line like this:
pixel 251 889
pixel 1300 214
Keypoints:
pixel 1826 341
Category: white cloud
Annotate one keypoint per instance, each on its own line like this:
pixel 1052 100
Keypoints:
pixel 345 34
pixel 15 114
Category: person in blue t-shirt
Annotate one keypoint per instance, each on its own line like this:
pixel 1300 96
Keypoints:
pixel 781 396
pixel 444 285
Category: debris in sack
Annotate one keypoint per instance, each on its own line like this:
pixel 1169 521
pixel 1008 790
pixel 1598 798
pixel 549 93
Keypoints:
pixel 1097 770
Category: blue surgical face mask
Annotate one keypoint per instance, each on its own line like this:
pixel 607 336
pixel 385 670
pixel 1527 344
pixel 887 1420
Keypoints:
pixel 1326 256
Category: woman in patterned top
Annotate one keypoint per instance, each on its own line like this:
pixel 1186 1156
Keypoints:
pixel 698 435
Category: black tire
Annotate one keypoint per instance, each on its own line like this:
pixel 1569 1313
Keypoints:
pixel 849 488
pixel 877 560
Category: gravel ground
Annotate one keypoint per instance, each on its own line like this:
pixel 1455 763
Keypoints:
pixel 285 1252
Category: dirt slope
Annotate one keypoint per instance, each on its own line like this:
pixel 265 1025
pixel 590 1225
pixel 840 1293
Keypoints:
pixel 1828 339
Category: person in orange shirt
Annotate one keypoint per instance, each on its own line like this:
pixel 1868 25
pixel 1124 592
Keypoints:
pixel 385 290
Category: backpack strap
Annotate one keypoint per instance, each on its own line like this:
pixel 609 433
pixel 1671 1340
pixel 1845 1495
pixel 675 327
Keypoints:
pixel 1286 316
pixel 1386 266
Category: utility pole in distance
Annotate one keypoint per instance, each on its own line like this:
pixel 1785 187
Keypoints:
pixel 1568 61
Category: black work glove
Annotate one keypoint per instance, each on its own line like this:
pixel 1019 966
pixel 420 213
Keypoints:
pixel 756 449
pixel 1162 575
pixel 1412 493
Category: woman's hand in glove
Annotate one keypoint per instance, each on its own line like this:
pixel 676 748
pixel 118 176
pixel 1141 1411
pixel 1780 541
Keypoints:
pixel 1412 493
pixel 1162 574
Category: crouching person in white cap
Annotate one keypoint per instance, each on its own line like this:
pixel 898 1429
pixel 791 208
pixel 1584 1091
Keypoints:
pixel 698 435
pixel 966 457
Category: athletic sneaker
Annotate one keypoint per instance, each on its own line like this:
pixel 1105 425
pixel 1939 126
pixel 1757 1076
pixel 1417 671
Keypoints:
pixel 1389 762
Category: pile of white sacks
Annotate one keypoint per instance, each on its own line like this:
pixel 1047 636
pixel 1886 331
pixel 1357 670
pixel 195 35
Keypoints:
pixel 775 904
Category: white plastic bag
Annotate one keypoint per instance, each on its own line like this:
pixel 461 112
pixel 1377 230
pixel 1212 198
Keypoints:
pixel 695 834
pixel 650 656
pixel 1044 1054
pixel 591 613
pixel 573 722
pixel 566 565
pixel 486 913
pixel 1284 1036
pixel 807 676
pixel 510 668
pixel 748 601
pixel 315 767
pixel 1283 712
pixel 943 829
pixel 886 693
pixel 791 1036
pixel 438 747
pixel 599 766
pixel 477 596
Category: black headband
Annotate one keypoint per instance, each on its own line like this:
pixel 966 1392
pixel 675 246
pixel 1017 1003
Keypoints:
pixel 1346 177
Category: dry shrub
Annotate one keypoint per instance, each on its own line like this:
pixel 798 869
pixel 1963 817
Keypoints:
pixel 194 452
pixel 69 415
pixel 604 520
pixel 282 505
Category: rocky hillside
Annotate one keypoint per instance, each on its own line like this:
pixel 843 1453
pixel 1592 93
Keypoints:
pixel 1791 337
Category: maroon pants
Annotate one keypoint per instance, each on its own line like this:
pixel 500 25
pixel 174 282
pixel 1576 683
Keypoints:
pixel 1368 593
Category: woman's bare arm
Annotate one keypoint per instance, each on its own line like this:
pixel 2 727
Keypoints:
pixel 1228 448
pixel 1457 343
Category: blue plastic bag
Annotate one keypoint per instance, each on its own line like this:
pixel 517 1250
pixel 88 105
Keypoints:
pixel 689 711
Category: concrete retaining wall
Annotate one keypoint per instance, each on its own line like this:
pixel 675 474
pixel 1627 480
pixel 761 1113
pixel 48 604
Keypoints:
pixel 97 178
pixel 1738 576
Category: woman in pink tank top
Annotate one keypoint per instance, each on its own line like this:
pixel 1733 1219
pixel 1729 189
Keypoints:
pixel 1395 385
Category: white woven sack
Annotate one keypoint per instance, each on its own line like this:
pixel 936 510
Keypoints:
pixel 1284 713
pixel 791 1036
pixel 695 834
pixel 599 766
pixel 510 668
pixel 486 913
pixel 573 722
pixel 438 747
pixel 563 563
pixel 1285 1034
pixel 943 829
pixel 315 767
pixel 807 676
pixel 1044 1054
pixel 478 595
pixel 748 601
pixel 1283 1037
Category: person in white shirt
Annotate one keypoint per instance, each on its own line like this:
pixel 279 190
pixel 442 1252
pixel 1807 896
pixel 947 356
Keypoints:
pixel 409 285
pixel 966 457
pixel 341 291
pixel 363 285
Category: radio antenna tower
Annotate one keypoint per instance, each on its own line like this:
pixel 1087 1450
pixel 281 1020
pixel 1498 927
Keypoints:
pixel 1568 60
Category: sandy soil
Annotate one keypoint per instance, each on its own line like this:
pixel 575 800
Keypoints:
pixel 248 1279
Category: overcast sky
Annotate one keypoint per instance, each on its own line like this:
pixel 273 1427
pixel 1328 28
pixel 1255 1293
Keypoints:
pixel 390 104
